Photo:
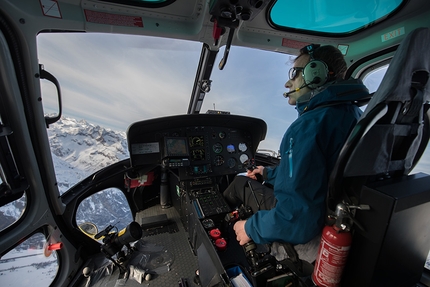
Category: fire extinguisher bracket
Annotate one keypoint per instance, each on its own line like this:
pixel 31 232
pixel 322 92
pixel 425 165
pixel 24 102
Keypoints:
pixel 344 217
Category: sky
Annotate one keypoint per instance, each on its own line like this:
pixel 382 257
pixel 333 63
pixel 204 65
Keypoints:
pixel 115 80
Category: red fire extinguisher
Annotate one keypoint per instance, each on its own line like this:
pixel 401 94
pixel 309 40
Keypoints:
pixel 333 251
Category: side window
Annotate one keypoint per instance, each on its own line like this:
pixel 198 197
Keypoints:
pixel 29 264
pixel 104 208
pixel 374 78
pixel 11 212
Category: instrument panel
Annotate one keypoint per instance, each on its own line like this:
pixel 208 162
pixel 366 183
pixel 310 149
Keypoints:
pixel 198 145
pixel 218 149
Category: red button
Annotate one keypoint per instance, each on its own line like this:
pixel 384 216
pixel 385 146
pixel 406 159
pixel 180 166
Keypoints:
pixel 215 233
pixel 221 244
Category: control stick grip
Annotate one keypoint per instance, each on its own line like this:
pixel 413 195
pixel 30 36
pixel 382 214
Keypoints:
pixel 251 167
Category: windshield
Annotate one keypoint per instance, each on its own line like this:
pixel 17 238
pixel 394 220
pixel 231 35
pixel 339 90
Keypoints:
pixel 110 81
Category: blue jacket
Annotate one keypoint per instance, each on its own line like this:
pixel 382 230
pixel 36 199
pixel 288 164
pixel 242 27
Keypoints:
pixel 309 150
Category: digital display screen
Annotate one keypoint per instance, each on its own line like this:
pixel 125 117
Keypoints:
pixel 176 147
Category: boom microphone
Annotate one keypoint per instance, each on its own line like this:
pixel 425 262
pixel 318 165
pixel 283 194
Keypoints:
pixel 286 94
pixel 316 80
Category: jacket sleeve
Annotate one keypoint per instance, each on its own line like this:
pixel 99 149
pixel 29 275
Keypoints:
pixel 296 218
pixel 300 187
pixel 269 174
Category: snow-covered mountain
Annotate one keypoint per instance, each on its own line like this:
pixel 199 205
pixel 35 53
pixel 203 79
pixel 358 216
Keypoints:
pixel 78 149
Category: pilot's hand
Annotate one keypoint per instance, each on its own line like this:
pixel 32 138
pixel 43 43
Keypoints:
pixel 258 170
pixel 239 229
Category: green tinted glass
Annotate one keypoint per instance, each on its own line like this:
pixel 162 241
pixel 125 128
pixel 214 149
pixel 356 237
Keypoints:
pixel 333 16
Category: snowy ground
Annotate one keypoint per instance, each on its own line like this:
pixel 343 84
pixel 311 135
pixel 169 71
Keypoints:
pixel 27 268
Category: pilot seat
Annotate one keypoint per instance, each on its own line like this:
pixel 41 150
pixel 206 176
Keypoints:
pixel 390 240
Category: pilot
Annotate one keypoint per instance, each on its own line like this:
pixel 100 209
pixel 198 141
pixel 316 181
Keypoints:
pixel 290 206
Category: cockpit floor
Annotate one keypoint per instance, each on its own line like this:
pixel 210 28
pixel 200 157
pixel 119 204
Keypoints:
pixel 163 251
pixel 173 257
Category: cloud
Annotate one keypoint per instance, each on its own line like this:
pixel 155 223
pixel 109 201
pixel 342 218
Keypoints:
pixel 122 83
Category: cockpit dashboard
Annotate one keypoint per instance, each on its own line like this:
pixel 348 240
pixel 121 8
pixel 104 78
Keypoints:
pixel 197 145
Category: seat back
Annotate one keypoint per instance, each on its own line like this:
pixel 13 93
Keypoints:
pixel 393 132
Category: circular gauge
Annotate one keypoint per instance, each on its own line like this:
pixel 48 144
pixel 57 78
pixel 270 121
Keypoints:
pixel 231 162
pixel 221 135
pixel 243 158
pixel 242 147
pixel 230 148
pixel 197 141
pixel 217 148
pixel 219 160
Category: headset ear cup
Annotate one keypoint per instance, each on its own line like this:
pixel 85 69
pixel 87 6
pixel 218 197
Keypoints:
pixel 315 74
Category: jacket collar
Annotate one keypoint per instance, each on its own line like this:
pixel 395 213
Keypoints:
pixel 338 92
